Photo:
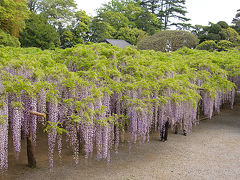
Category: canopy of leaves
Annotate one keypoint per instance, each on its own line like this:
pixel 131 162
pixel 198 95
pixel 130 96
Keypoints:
pixel 8 40
pixel 87 65
pixel 79 78
pixel 57 11
pixel 131 35
pixel 169 40
pixel 224 45
pixel 170 13
pixel 77 32
pixel 209 45
pixel 231 35
pixel 236 21
pixel 127 15
pixel 217 32
pixel 12 16
pixel 39 33
pixel 223 24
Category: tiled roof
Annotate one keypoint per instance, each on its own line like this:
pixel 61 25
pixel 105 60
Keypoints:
pixel 117 42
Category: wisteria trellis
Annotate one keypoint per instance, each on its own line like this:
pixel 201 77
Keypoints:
pixel 96 93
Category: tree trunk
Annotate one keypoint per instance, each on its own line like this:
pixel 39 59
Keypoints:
pixel 30 149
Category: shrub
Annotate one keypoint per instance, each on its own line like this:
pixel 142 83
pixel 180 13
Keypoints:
pixel 209 45
pixel 223 24
pixel 232 36
pixel 8 40
pixel 169 40
pixel 224 45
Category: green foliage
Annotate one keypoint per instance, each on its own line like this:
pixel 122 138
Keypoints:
pixel 101 31
pixel 223 24
pixel 224 45
pixel 81 26
pixel 8 40
pixel 2 119
pixel 169 40
pixel 133 36
pixel 236 21
pixel 116 16
pixel 58 12
pixel 77 32
pixel 217 32
pixel 231 35
pixel 207 45
pixel 52 126
pixel 39 33
pixel 17 105
pixel 12 16
pixel 137 16
pixel 169 13
pixel 213 36
pixel 102 70
pixel 214 28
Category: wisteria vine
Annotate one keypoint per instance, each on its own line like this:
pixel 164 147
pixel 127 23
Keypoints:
pixel 95 94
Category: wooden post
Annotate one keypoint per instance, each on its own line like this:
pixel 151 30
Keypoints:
pixel 30 147
pixel 30 150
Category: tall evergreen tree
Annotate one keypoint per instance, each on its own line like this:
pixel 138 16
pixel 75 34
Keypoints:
pixel 236 21
pixel 169 12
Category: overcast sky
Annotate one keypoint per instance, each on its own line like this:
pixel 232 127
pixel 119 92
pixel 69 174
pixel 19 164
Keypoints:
pixel 199 11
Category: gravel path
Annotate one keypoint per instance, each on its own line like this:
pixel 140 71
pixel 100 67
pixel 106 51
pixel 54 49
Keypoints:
pixel 210 152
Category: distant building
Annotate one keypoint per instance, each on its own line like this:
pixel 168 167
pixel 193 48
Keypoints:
pixel 116 42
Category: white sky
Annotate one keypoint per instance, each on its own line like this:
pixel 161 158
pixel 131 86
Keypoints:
pixel 199 11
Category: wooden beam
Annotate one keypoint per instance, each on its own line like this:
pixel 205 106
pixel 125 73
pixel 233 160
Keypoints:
pixel 37 114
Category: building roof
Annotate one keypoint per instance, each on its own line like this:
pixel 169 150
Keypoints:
pixel 117 42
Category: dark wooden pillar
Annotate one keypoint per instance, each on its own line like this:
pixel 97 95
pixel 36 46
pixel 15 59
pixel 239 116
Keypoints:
pixel 30 150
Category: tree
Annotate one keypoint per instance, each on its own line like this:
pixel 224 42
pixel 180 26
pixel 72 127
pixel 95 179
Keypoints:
pixel 101 30
pixel 236 21
pixel 216 32
pixel 201 32
pixel 231 35
pixel 169 12
pixel 138 17
pixel 77 32
pixel 117 16
pixel 133 36
pixel 8 40
pixel 12 16
pixel 151 5
pixel 115 19
pixel 57 12
pixel 72 26
pixel 173 9
pixel 169 40
pixel 39 33
pixel 223 24
pixel 33 5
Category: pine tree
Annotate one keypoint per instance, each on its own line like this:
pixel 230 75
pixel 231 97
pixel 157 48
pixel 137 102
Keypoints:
pixel 236 21
pixel 169 12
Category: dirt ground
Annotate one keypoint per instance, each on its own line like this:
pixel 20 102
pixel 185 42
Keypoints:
pixel 210 152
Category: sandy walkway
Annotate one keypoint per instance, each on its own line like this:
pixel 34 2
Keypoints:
pixel 210 152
